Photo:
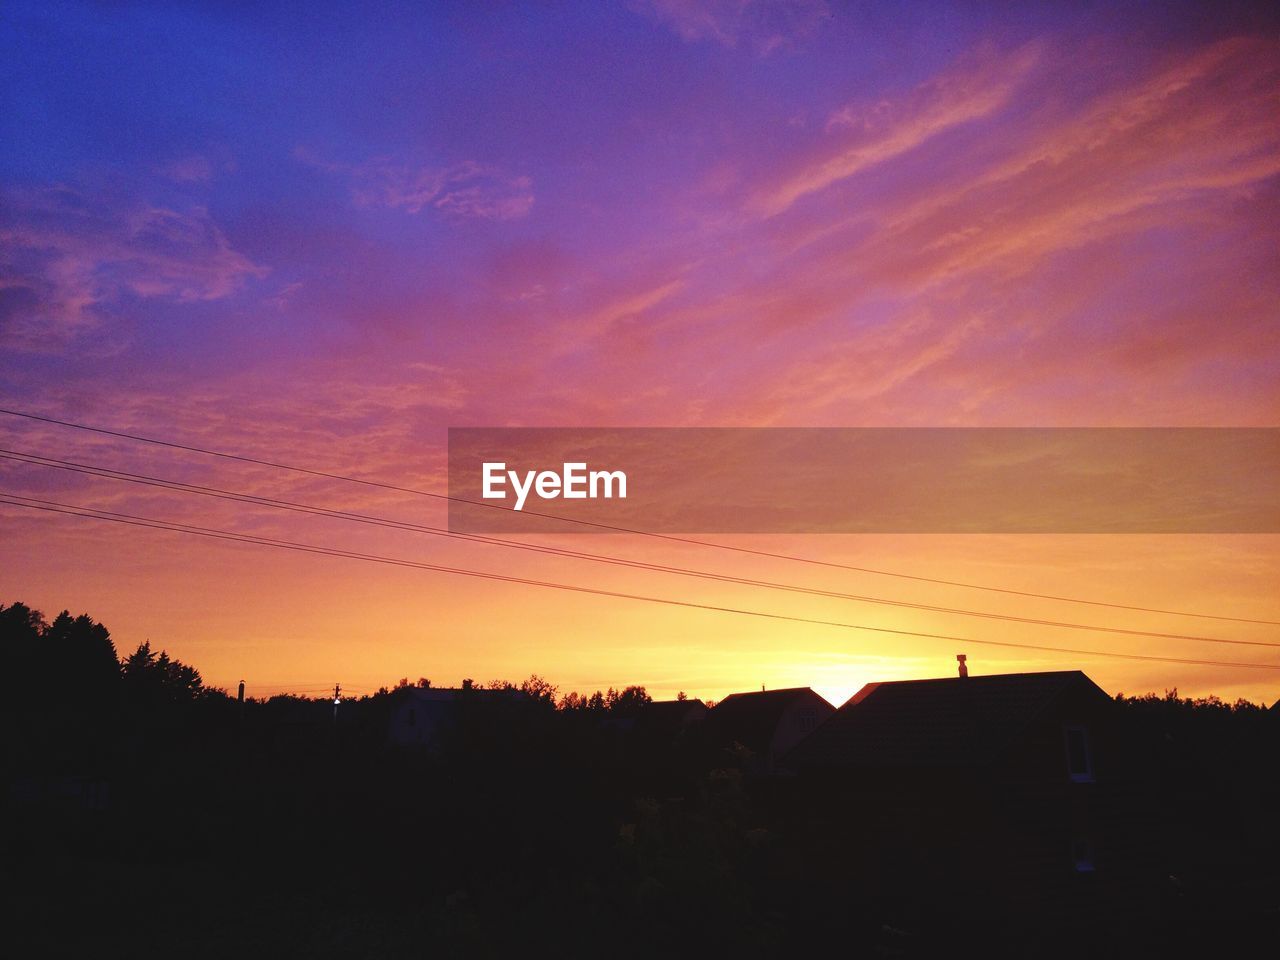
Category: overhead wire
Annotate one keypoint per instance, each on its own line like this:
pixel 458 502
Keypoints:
pixel 627 530
pixel 151 523
pixel 314 510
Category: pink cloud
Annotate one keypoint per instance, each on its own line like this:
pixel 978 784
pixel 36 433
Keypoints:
pixel 65 257
pixel 872 134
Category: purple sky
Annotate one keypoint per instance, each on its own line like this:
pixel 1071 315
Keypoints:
pixel 324 233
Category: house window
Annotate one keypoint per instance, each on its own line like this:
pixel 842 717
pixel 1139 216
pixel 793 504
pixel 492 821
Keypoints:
pixel 1079 756
pixel 1082 855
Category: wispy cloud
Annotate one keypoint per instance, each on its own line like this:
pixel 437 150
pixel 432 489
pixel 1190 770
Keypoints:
pixel 192 168
pixel 64 258
pixel 763 25
pixel 870 134
pixel 465 190
pixel 996 279
pixel 985 278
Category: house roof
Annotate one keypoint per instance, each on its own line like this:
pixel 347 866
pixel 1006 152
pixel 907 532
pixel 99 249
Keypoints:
pixel 752 718
pixel 671 716
pixel 947 722
pixel 453 694
pixel 673 710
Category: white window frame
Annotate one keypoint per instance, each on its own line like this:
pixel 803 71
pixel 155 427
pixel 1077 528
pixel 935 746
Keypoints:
pixel 1087 775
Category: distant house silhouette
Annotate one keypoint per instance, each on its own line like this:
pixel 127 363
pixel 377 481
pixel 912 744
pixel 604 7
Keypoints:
pixel 669 718
pixel 423 716
pixel 768 724
pixel 960 721
pixel 659 722
pixel 1019 782
pixel 291 722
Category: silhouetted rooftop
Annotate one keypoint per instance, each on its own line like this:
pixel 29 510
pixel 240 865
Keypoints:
pixel 751 718
pixel 949 721
pixel 671 716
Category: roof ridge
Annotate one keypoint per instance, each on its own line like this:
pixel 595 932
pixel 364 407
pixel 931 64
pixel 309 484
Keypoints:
pixel 756 693
pixel 978 676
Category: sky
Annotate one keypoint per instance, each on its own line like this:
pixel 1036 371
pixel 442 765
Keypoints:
pixel 322 234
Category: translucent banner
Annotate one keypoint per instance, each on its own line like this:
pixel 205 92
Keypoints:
pixel 865 480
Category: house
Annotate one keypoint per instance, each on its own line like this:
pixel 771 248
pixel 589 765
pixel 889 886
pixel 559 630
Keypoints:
pixel 655 719
pixel 765 725
pixel 423 717
pixel 670 718
pixel 963 721
pixel 1021 787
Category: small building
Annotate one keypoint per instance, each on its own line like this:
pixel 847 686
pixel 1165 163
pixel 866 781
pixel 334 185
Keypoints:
pixel 671 718
pixel 963 721
pixel 765 725
pixel 423 717
pixel 1020 785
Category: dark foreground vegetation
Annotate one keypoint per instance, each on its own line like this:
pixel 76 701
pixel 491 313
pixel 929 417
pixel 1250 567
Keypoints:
pixel 148 815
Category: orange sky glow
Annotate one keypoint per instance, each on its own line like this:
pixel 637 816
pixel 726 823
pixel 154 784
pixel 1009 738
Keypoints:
pixel 708 220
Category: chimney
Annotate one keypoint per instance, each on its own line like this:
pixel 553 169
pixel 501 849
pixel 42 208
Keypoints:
pixel 964 669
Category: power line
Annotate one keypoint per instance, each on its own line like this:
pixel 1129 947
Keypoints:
pixel 293 506
pixel 321 688
pixel 52 506
pixel 619 529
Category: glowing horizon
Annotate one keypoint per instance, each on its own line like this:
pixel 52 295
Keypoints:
pixel 323 238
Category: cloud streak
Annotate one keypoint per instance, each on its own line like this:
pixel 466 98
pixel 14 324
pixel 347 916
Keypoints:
pixel 465 190
pixel 764 25
pixel 65 258
pixel 874 134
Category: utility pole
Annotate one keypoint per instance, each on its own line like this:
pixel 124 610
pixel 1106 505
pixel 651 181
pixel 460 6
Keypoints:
pixel 337 699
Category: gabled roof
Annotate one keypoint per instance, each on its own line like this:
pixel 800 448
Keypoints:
pixel 671 716
pixel 673 706
pixel 673 711
pixel 952 721
pixel 752 718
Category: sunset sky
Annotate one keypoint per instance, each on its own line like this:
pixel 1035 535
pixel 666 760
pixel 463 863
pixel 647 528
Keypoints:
pixel 313 234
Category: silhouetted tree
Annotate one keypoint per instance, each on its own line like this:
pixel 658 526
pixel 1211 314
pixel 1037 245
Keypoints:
pixel 153 679
pixel 538 689
pixel 21 629
pixel 83 657
pixel 627 700
pixel 20 624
